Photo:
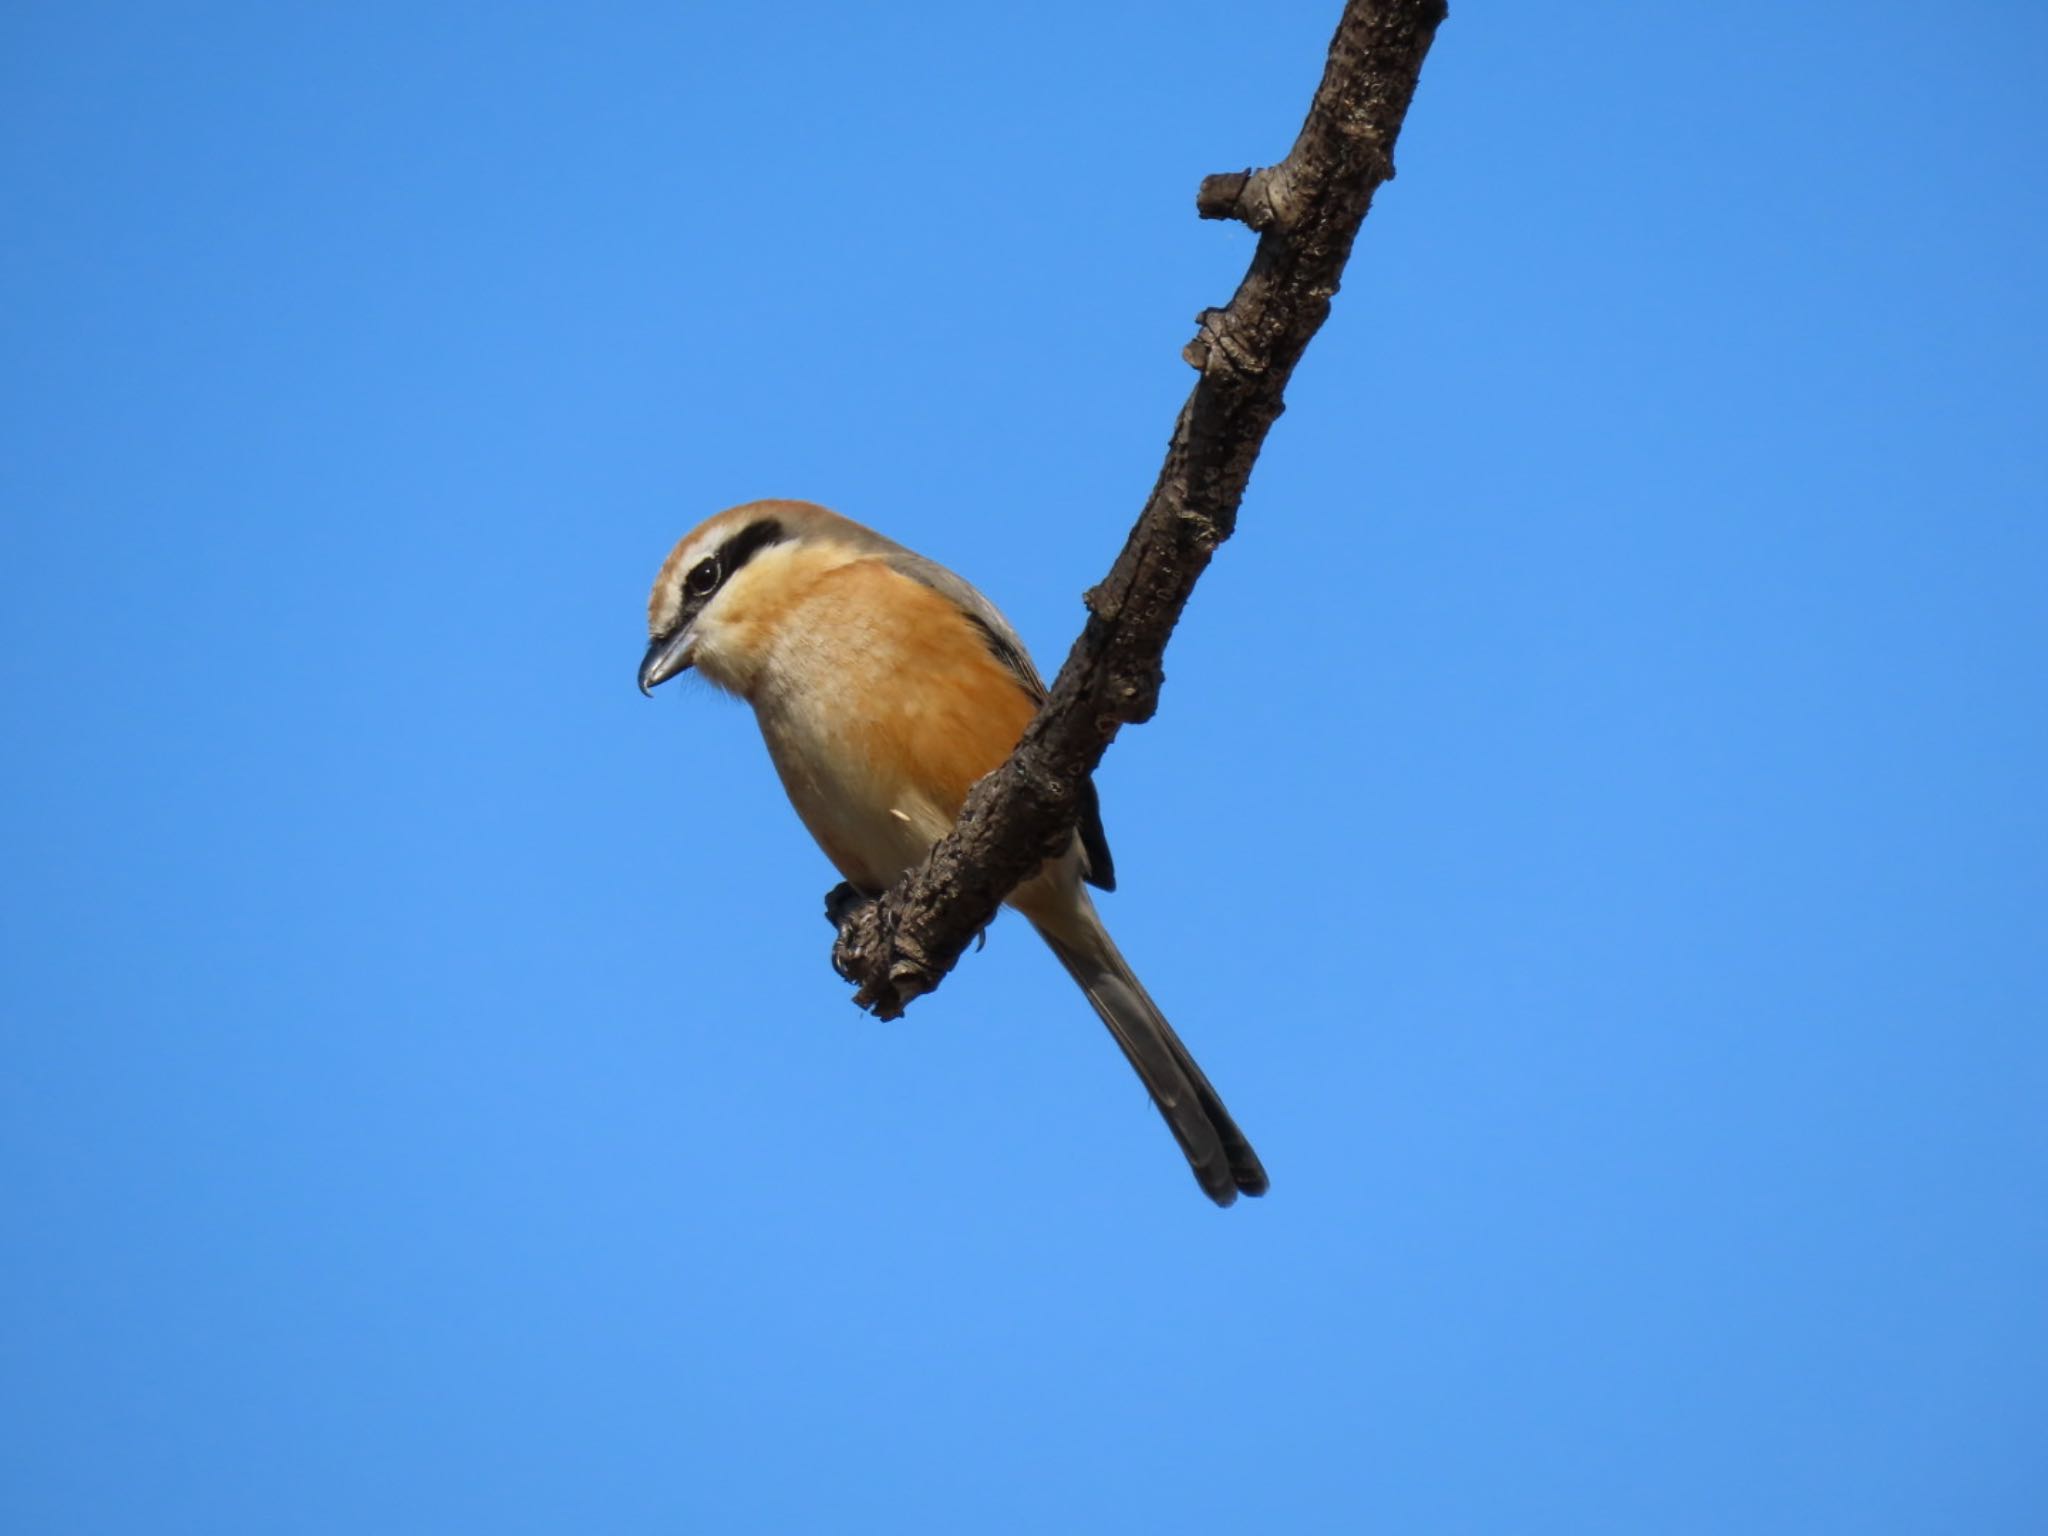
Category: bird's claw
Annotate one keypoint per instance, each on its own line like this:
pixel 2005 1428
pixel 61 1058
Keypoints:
pixel 842 901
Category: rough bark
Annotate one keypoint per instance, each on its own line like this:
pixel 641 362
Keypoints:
pixel 1307 209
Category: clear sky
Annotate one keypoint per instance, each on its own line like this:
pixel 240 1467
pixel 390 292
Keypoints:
pixel 1595 831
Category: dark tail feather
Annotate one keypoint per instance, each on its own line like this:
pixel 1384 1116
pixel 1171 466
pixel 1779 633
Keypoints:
pixel 1223 1161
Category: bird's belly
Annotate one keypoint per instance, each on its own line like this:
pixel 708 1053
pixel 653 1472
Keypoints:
pixel 879 728
pixel 867 815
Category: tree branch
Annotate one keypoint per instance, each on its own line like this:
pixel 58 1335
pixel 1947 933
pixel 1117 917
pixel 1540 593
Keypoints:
pixel 1308 209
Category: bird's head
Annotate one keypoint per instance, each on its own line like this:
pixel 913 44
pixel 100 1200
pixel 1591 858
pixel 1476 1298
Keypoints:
pixel 719 592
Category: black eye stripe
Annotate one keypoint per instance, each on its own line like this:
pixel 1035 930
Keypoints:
pixel 747 543
pixel 703 579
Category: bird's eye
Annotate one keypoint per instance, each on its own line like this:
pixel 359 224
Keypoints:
pixel 703 577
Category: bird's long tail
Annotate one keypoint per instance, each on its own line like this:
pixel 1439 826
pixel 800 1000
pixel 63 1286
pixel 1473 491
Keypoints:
pixel 1223 1161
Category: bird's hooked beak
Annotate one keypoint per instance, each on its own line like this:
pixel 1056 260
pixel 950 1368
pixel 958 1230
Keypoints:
pixel 666 656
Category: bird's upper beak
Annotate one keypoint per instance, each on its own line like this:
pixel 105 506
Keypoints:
pixel 665 657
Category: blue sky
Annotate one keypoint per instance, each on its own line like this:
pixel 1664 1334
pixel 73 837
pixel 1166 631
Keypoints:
pixel 1594 832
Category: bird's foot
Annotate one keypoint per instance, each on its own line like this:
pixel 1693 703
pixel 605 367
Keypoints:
pixel 845 904
pixel 843 900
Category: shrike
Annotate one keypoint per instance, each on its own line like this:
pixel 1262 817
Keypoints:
pixel 885 686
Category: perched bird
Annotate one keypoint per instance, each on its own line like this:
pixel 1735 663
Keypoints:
pixel 885 686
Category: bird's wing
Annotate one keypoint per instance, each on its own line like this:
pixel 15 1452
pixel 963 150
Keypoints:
pixel 983 614
pixel 1008 648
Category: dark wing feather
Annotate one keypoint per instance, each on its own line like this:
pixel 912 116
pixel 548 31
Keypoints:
pixel 1101 870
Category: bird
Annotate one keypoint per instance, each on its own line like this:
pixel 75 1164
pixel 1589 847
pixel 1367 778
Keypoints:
pixel 885 686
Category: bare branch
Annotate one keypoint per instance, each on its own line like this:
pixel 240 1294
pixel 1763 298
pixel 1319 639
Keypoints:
pixel 1308 209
